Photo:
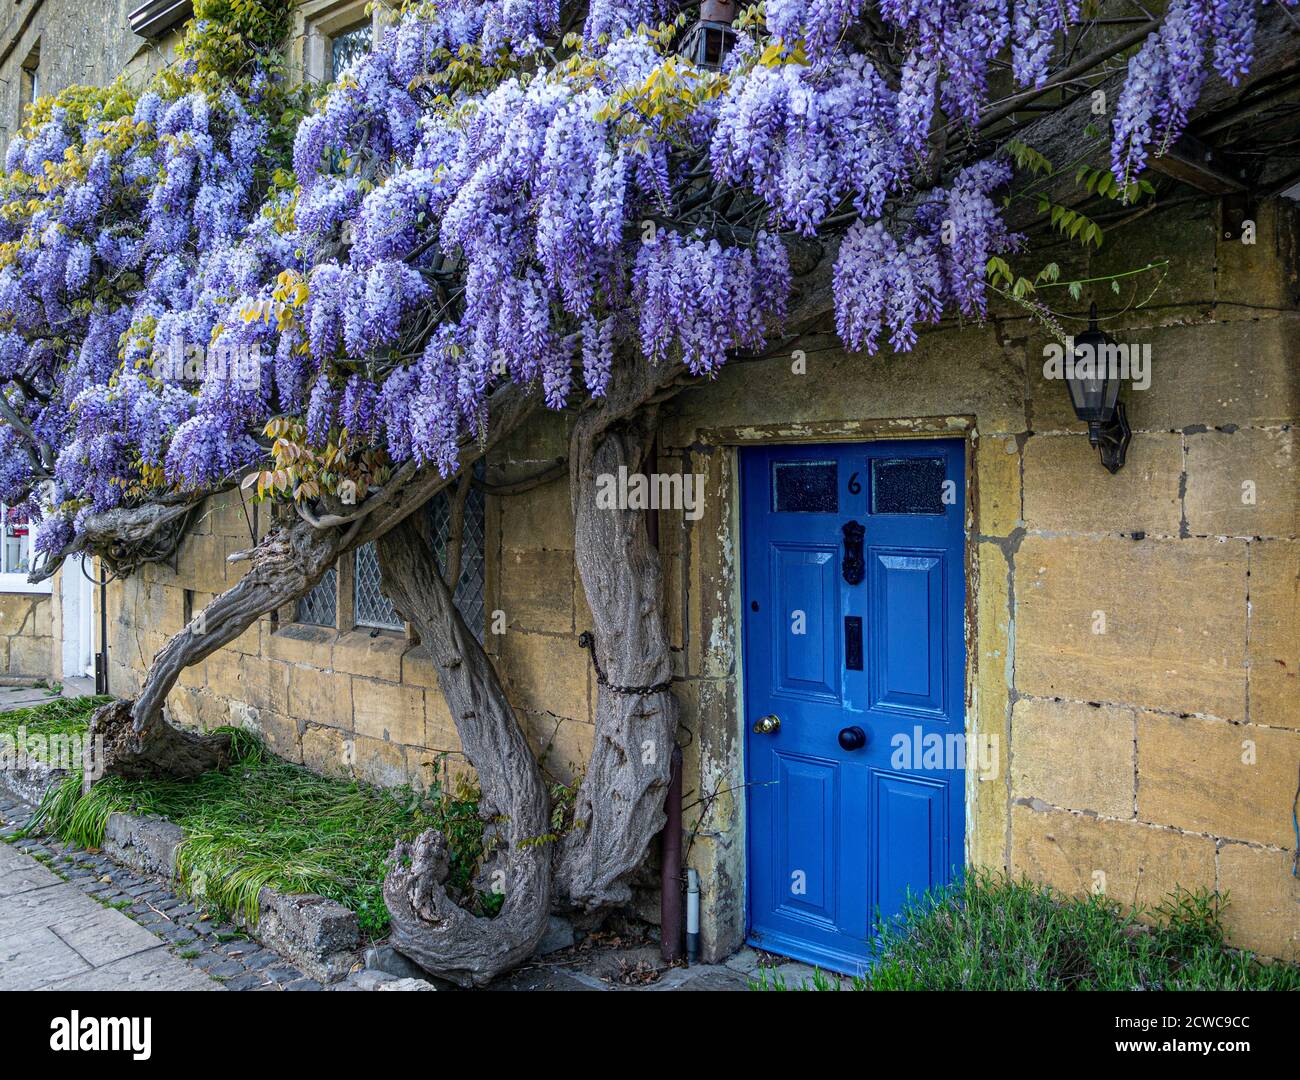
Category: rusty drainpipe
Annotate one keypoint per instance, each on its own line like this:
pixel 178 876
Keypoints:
pixel 670 867
pixel 670 837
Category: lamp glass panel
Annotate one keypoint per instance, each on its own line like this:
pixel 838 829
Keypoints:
pixel 1091 393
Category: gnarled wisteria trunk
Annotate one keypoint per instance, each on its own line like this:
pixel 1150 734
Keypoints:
pixel 619 807
pixel 138 741
pixel 428 925
pixel 620 804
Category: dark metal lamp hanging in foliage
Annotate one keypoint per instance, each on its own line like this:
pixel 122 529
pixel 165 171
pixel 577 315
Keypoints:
pixel 707 42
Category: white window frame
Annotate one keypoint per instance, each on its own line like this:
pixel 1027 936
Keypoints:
pixel 29 79
pixel 16 581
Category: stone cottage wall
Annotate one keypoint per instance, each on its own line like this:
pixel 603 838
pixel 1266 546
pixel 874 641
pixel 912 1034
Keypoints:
pixel 28 641
pixel 1163 752
pixel 360 701
pixel 83 42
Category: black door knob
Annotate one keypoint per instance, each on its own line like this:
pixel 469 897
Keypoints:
pixel 853 738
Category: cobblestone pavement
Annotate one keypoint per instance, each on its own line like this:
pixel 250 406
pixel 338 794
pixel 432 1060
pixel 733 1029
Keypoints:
pixel 75 920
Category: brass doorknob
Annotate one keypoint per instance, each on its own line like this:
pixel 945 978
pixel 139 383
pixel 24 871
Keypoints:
pixel 765 725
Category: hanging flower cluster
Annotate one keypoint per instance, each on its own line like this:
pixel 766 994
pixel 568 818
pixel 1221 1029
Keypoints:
pixel 114 206
pixel 1035 25
pixel 536 187
pixel 805 138
pixel 880 281
pixel 1166 75
pixel 707 299
pixel 820 23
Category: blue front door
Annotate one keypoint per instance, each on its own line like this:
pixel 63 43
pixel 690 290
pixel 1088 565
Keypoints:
pixel 854 592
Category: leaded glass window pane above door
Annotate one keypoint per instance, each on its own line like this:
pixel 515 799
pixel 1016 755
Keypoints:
pixel 908 485
pixel 805 487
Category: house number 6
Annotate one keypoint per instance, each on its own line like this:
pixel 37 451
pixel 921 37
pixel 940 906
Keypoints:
pixel 854 487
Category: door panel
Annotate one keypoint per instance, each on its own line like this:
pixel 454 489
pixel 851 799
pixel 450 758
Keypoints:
pixel 808 662
pixel 908 836
pixel 839 833
pixel 906 630
pixel 808 796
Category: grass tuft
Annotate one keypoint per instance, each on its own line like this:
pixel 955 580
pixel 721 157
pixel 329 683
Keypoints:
pixel 49 720
pixel 266 822
pixel 994 933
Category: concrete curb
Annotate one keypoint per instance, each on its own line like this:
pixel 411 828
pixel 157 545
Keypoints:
pixel 30 781
pixel 321 936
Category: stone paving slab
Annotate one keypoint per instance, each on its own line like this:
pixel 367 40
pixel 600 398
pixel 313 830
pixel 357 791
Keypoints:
pixel 24 877
pixel 34 956
pixel 716 977
pixel 59 903
pixel 153 969
pixel 9 858
pixel 105 936
pixel 15 698
pixel 72 919
pixel 18 697
pixel 54 936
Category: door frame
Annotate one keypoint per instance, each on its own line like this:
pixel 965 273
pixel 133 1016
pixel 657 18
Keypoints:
pixel 713 616
pixel 77 597
pixel 741 652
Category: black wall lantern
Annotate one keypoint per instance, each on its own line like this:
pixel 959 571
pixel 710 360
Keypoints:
pixel 707 42
pixel 1093 381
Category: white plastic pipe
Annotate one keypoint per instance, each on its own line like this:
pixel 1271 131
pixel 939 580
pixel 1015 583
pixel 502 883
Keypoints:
pixel 692 915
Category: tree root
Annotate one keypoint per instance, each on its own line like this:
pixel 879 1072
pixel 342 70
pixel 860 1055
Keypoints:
pixel 444 938
pixel 158 749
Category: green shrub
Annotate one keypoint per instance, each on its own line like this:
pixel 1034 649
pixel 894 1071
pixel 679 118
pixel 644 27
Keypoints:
pixel 993 933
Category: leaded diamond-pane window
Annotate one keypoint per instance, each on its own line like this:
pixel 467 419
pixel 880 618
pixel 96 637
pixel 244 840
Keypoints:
pixel 320 606
pixel 347 47
pixel 469 589
pixel 373 608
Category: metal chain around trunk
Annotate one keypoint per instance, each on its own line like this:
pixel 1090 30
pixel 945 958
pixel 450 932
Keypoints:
pixel 587 640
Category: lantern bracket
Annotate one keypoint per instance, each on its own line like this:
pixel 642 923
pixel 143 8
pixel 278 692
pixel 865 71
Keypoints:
pixel 1111 439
